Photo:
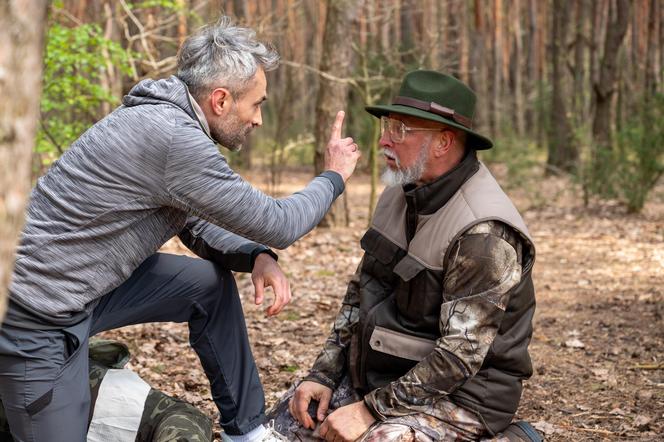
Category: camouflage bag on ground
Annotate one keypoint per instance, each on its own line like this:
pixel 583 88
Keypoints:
pixel 123 407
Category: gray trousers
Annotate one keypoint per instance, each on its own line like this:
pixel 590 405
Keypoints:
pixel 44 373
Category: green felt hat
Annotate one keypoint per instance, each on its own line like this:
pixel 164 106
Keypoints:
pixel 438 97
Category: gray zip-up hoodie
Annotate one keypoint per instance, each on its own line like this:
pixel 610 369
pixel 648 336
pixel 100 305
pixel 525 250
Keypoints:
pixel 146 172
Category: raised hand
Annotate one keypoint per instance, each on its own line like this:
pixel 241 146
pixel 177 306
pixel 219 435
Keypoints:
pixel 341 154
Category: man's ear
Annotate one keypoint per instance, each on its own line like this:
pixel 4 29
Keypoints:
pixel 445 142
pixel 220 101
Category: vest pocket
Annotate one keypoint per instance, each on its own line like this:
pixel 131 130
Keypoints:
pixel 408 268
pixel 400 345
pixel 385 251
pixel 418 295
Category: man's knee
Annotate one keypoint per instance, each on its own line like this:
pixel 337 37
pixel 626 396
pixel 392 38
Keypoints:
pixel 207 277
pixel 213 285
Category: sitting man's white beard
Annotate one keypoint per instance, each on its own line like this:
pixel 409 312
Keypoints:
pixel 400 176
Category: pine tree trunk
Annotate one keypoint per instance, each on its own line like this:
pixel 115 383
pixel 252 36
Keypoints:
pixel 532 86
pixel 332 94
pixel 605 88
pixel 464 43
pixel 496 84
pixel 21 38
pixel 652 63
pixel 480 72
pixel 519 113
pixel 562 151
pixel 579 65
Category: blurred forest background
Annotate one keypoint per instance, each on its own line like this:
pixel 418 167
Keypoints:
pixel 564 87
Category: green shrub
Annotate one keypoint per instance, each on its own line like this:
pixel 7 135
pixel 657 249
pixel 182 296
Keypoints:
pixel 640 154
pixel 630 170
pixel 72 94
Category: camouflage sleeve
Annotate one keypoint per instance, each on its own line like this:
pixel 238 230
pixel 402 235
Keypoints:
pixel 483 266
pixel 330 365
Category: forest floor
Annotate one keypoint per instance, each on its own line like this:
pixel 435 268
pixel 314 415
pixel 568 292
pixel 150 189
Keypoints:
pixel 598 344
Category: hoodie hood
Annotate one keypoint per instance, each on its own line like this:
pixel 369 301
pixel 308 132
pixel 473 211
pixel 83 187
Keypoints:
pixel 170 91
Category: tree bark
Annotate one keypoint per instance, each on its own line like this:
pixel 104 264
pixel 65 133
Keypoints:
pixel 532 85
pixel 22 39
pixel 605 88
pixel 519 112
pixel 543 25
pixel 652 63
pixel 463 43
pixel 332 94
pixel 496 84
pixel 479 59
pixel 562 151
pixel 579 63
pixel 182 21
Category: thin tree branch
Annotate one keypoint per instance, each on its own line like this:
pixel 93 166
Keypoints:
pixel 49 136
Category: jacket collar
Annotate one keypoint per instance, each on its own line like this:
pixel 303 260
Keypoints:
pixel 428 198
pixel 199 115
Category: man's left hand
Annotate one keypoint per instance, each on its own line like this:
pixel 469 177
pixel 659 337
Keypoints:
pixel 267 273
pixel 347 423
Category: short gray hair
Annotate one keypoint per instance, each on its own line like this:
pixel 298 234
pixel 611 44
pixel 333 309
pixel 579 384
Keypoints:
pixel 223 55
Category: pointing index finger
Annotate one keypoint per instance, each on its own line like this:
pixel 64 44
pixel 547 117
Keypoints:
pixel 336 127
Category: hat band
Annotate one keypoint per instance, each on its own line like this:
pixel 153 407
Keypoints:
pixel 434 108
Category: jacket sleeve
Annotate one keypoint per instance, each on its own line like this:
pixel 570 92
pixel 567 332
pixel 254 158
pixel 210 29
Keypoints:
pixel 484 265
pixel 225 248
pixel 330 365
pixel 200 182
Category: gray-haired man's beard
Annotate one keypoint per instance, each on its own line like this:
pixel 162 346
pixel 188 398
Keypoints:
pixel 229 133
pixel 400 176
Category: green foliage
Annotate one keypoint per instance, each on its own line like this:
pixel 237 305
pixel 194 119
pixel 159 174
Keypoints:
pixel 640 154
pixel 74 61
pixel 631 170
pixel 171 5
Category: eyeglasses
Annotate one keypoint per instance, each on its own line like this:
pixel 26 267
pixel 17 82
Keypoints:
pixel 397 130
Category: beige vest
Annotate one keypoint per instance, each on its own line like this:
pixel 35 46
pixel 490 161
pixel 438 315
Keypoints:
pixel 479 199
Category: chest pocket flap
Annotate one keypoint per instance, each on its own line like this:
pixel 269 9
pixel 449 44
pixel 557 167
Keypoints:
pixel 380 247
pixel 400 345
pixel 408 268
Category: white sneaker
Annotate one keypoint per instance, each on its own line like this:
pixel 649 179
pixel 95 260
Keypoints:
pixel 273 435
pixel 269 435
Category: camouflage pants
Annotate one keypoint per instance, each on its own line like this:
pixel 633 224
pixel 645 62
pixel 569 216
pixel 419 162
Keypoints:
pixel 459 424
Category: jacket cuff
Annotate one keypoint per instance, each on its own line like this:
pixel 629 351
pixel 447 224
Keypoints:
pixel 261 249
pixel 337 181
pixel 370 406
pixel 320 378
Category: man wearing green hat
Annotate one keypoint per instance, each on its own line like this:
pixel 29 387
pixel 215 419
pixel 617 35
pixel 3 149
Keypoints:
pixel 431 341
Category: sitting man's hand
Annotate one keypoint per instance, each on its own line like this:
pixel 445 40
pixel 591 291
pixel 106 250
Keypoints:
pixel 299 403
pixel 347 423
pixel 267 273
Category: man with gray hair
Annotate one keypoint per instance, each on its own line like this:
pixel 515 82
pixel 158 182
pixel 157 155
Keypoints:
pixel 150 170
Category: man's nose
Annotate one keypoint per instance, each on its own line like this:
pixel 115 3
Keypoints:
pixel 258 119
pixel 385 140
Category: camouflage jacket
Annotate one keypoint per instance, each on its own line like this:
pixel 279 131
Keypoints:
pixel 416 326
